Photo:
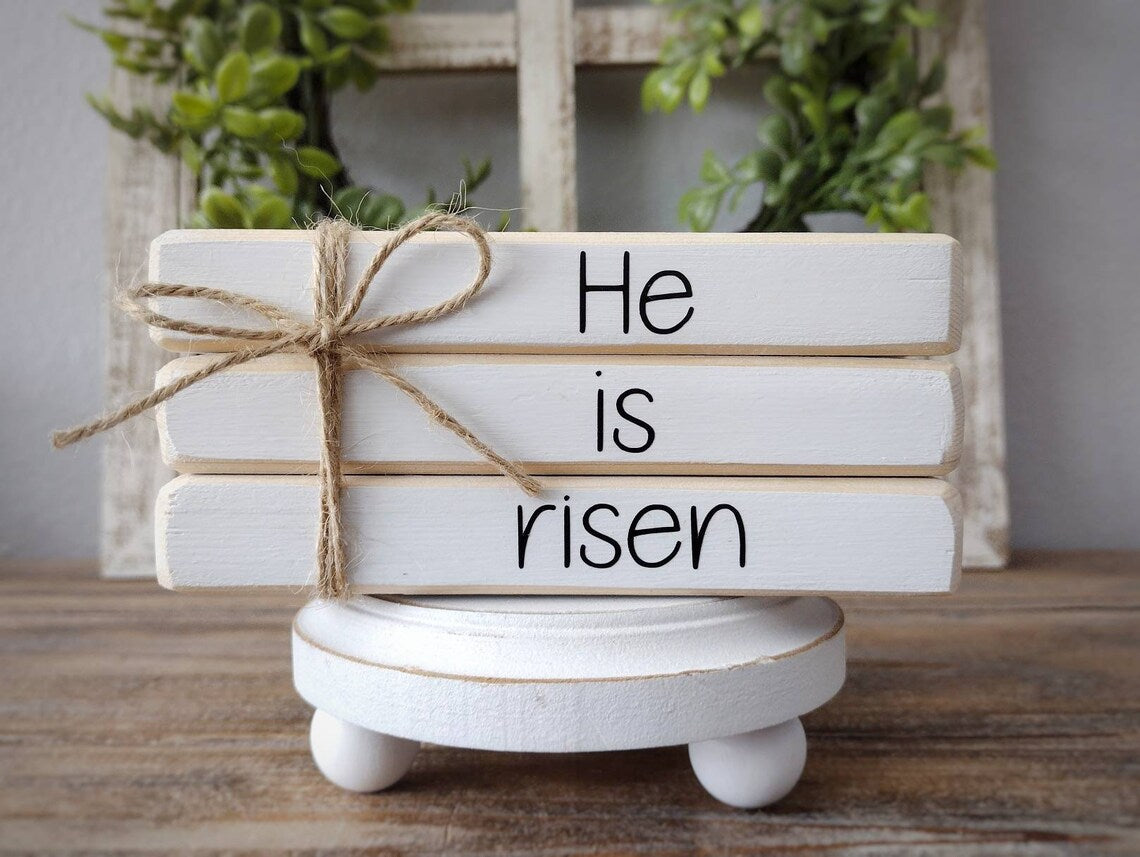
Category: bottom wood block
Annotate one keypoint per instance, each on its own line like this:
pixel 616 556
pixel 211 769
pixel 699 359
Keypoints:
pixel 583 534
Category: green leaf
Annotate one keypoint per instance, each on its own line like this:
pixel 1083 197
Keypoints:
pixel 367 208
pixel 382 211
pixel 282 123
pixel 946 154
pixel 348 201
pixel 699 89
pixel 843 98
pixel 651 96
pixel 317 163
pixel 778 93
pixel 273 212
pixel 191 154
pixel 222 210
pixel 346 22
pixel 698 207
pixel 312 37
pixel 714 170
pixel 243 122
pixel 711 63
pixel 260 27
pixel 816 114
pixel 919 18
pixel 983 156
pixel 894 134
pixel 775 132
pixel 750 21
pixel 284 174
pixel 233 76
pixel 871 112
pixel 193 107
pixel 275 75
pixel 934 79
pixel 794 54
pixel 203 47
pixel 939 118
pixel 762 165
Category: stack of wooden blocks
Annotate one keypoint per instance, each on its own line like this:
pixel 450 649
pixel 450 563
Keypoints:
pixel 714 415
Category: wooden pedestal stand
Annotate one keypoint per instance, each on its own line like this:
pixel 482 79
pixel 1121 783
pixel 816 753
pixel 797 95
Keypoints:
pixel 727 676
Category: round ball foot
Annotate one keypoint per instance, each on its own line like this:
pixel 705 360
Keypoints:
pixel 753 769
pixel 356 758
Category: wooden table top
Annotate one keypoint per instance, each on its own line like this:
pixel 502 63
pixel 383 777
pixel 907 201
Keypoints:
pixel 1002 720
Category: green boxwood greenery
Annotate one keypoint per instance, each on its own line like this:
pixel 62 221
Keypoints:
pixel 853 118
pixel 249 115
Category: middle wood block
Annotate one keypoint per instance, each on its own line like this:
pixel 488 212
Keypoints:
pixel 581 415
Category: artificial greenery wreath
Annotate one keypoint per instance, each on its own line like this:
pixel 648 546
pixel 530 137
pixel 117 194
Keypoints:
pixel 851 125
pixel 249 114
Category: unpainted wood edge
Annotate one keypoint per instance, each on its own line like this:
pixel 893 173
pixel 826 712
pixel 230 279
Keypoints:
pixel 957 317
pixel 941 348
pixel 914 486
pixel 379 236
pixel 188 466
pixel 955 507
pixel 954 448
pixel 161 516
pixel 830 634
pixel 297 362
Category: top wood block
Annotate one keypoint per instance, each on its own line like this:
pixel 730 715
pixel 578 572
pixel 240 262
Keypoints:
pixel 660 292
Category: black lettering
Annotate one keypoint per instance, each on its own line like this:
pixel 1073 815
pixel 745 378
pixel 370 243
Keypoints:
pixel 612 542
pixel 635 532
pixel 646 298
pixel 698 533
pixel 650 434
pixel 524 532
pixel 584 287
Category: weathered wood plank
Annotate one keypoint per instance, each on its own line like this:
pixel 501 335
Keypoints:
pixel 471 41
pixel 548 170
pixel 146 192
pixel 1001 720
pixel 963 206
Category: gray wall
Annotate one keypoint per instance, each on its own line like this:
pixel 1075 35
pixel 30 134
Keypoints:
pixel 1066 130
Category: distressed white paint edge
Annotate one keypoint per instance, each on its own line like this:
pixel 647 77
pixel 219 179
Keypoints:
pixel 729 415
pixel 782 661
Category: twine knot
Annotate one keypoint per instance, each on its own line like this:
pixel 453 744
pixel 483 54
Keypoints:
pixel 321 336
pixel 327 339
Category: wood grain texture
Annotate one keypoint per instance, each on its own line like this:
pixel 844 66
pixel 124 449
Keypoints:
pixel 810 293
pixel 481 41
pixel 730 416
pixel 548 172
pixel 584 534
pixel 963 206
pixel 1004 720
pixel 146 193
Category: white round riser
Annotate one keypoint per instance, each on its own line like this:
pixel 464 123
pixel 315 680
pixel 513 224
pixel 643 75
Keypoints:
pixel 567 674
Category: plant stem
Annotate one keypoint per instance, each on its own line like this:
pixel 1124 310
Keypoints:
pixel 769 219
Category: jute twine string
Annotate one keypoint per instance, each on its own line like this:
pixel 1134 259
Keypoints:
pixel 325 338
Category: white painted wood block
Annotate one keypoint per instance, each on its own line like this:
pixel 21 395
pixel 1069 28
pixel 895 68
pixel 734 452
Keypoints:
pixel 567 674
pixel 689 535
pixel 651 415
pixel 750 294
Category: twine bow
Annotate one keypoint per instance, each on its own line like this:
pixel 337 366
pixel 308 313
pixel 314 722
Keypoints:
pixel 325 338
